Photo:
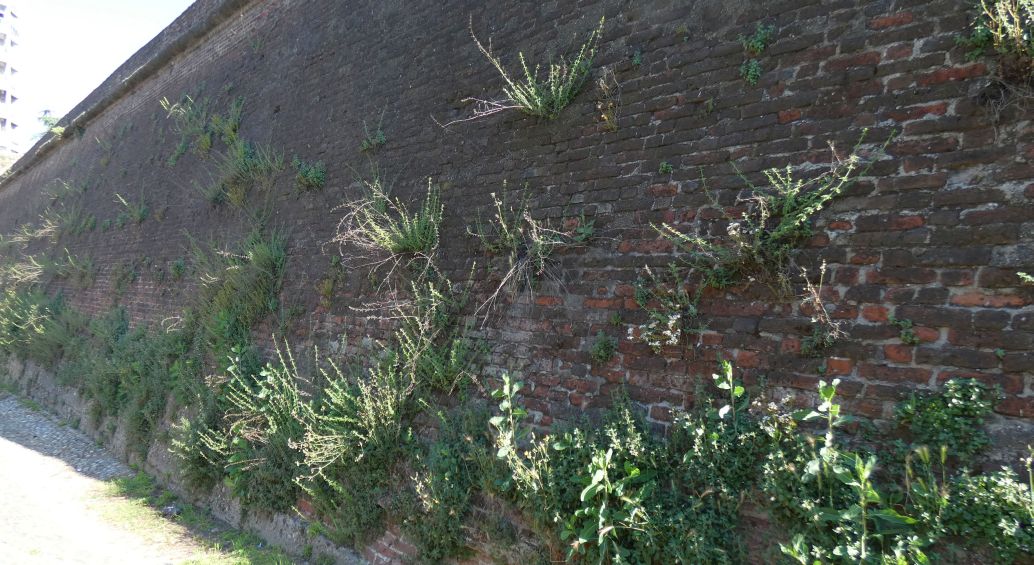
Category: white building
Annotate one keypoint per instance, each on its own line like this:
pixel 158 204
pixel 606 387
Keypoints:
pixel 10 144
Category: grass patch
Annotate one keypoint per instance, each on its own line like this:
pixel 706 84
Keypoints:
pixel 149 508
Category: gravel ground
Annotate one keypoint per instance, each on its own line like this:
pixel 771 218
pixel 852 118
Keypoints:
pixel 56 508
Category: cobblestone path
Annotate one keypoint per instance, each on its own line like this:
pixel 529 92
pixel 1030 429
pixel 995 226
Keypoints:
pixel 56 508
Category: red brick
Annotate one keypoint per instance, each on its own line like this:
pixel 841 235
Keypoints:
pixel 926 335
pixel 787 116
pixel 839 366
pixel 790 345
pixel 894 20
pixel 900 51
pixel 875 313
pixel 747 359
pixel 898 353
pixel 1017 407
pixel 952 74
pixel 858 60
pixel 916 112
pixel 988 300
pixel 898 374
pixel 666 189
pixel 548 300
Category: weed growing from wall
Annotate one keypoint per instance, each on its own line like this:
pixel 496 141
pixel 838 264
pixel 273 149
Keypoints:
pixel 242 168
pixel 191 122
pixel 309 176
pixel 1005 27
pixel 373 139
pixel 526 244
pixel 544 97
pixel 753 46
pixel 608 98
pixel 760 244
pixel 379 230
pixel 825 331
pixel 907 332
pixel 136 212
pixel 603 348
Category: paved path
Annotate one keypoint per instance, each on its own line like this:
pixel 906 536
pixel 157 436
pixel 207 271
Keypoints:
pixel 56 508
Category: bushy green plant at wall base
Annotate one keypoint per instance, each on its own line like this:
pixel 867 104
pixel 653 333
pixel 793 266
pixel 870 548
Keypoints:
pixel 543 97
pixel 1007 28
pixel 264 419
pixel 954 418
pixel 449 470
pixel 354 439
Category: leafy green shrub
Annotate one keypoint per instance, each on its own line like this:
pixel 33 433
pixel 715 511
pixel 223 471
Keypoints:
pixel 1007 28
pixel 829 501
pixel 953 418
pixel 614 493
pixel 543 97
pixel 995 509
pixel 309 176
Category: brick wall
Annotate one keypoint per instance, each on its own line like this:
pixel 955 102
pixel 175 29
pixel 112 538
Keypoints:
pixel 933 234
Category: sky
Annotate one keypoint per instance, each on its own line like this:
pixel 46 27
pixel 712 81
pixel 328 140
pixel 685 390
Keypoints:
pixel 69 47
